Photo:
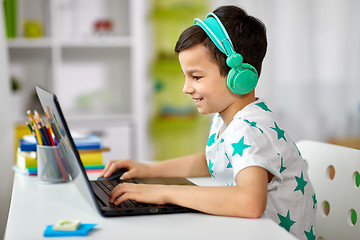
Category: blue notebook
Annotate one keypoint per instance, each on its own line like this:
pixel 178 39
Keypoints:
pixel 83 230
pixel 91 142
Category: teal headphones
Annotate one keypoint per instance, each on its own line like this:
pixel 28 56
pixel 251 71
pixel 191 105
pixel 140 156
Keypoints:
pixel 243 77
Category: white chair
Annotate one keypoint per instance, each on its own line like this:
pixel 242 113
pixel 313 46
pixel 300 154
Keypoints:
pixel 335 174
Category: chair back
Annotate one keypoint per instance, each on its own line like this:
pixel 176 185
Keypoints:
pixel 335 174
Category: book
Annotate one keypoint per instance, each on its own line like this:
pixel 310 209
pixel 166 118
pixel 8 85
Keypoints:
pixel 28 143
pixel 91 142
pixel 27 171
pixel 32 171
pixel 89 147
pixel 26 159
pixel 91 158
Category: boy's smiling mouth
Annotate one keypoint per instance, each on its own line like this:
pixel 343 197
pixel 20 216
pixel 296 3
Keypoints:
pixel 197 100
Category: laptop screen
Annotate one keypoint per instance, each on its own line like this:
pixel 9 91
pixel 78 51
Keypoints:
pixel 52 110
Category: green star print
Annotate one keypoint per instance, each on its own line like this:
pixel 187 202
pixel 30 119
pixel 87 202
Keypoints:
pixel 211 164
pixel 229 163
pixel 314 200
pixel 286 222
pixel 253 124
pixel 280 132
pixel 239 147
pixel 301 183
pixel 263 106
pixel 282 168
pixel 211 140
pixel 310 235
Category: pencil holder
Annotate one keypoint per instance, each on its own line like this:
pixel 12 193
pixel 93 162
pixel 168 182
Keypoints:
pixel 52 166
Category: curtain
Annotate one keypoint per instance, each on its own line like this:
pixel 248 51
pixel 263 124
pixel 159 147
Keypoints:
pixel 311 73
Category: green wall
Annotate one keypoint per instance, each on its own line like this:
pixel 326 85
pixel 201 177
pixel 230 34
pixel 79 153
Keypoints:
pixel 176 127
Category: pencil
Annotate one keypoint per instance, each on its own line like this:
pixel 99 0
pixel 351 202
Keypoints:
pixel 54 123
pixel 38 136
pixel 32 130
pixel 31 117
pixel 29 126
pixel 51 132
pixel 47 127
pixel 45 135
pixel 37 116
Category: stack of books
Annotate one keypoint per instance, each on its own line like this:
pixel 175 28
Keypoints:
pixel 90 149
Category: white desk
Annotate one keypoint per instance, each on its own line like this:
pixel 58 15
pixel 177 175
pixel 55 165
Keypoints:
pixel 34 206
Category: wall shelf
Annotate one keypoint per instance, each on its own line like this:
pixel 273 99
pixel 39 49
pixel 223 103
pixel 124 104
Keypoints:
pixel 100 42
pixel 92 73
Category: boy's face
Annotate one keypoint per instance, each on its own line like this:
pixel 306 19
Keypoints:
pixel 203 81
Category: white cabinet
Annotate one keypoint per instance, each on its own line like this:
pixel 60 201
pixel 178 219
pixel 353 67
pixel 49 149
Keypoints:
pixel 99 76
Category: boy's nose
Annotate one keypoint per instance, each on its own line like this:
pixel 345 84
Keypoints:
pixel 188 89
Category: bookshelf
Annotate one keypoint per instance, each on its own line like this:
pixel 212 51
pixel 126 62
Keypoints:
pixel 99 76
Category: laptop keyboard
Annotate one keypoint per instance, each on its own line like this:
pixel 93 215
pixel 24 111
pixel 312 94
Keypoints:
pixel 108 185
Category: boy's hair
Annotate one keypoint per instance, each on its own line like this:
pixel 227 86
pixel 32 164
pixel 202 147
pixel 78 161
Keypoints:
pixel 247 34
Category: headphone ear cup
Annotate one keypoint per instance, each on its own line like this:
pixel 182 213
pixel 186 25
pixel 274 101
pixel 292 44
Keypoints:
pixel 243 79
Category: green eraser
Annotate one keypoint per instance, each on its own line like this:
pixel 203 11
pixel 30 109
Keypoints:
pixel 67 225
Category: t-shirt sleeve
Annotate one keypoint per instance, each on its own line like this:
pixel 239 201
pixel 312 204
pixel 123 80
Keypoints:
pixel 249 146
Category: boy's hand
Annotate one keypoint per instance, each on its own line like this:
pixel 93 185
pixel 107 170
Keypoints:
pixel 145 193
pixel 135 169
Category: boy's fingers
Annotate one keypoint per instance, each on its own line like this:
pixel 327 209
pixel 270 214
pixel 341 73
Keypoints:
pixel 127 175
pixel 110 170
pixel 122 198
pixel 112 166
pixel 118 191
pixel 105 169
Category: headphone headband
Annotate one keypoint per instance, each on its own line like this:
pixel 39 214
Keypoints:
pixel 217 33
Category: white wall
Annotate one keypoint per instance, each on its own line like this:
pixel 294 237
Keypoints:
pixel 310 75
pixel 6 131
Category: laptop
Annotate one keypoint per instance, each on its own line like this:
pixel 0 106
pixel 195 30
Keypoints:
pixel 97 192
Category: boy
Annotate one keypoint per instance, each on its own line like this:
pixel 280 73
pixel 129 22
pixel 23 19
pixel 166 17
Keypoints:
pixel 257 165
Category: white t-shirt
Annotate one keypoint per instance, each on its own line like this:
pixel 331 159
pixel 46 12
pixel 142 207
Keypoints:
pixel 254 138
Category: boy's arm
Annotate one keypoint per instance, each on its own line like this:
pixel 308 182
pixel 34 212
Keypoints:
pixel 188 166
pixel 246 199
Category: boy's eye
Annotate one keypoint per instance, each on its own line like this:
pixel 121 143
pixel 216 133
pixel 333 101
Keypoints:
pixel 196 77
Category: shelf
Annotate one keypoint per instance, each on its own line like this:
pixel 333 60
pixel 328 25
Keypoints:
pixel 30 43
pixel 80 42
pixel 102 42
pixel 97 73
pixel 107 120
pixel 93 81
